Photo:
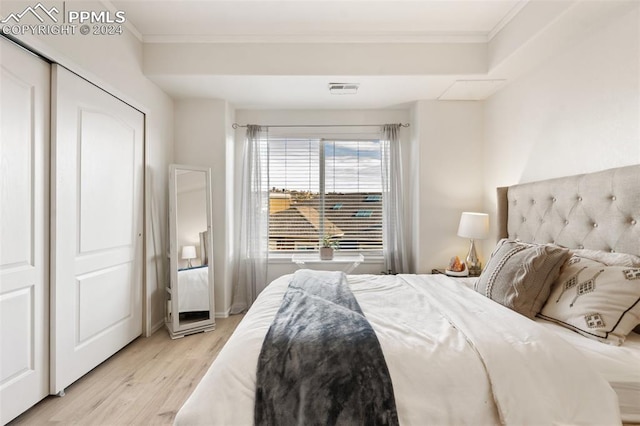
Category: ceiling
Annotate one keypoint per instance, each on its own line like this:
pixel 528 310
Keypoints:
pixel 318 21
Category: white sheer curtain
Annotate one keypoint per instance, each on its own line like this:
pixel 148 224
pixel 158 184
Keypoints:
pixel 395 254
pixel 253 246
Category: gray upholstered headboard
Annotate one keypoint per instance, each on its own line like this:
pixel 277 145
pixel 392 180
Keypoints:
pixel 597 211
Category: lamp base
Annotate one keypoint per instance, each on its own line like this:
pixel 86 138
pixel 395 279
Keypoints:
pixel 475 272
pixel 473 263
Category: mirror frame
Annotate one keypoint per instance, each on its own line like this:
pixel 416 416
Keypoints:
pixel 172 321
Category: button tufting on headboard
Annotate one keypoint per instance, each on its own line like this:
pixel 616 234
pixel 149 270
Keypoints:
pixel 596 211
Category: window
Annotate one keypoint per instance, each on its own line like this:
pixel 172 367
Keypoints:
pixel 325 187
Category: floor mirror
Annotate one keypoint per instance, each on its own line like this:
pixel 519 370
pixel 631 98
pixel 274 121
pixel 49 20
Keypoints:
pixel 190 295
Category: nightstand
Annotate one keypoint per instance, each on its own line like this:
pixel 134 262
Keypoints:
pixel 442 271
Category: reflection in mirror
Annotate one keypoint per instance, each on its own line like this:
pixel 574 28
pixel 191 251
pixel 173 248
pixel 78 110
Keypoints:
pixel 191 288
pixel 193 282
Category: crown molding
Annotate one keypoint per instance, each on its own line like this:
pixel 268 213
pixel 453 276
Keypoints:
pixel 507 18
pixel 444 37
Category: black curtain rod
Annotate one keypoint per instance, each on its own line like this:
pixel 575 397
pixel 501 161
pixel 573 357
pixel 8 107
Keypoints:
pixel 236 125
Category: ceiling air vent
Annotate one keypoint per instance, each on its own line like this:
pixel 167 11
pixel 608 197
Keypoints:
pixel 343 88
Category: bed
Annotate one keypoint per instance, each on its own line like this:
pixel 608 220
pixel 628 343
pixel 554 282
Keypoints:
pixel 454 355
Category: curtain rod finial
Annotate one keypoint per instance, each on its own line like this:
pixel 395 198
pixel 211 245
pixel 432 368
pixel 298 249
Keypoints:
pixel 235 125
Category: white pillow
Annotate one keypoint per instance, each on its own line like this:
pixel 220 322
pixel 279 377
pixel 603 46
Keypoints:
pixel 598 301
pixel 611 259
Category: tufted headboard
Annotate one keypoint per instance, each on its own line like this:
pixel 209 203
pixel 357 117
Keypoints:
pixel 597 211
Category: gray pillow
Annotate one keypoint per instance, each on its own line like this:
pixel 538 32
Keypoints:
pixel 519 275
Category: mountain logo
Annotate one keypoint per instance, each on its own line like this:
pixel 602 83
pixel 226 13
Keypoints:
pixel 39 11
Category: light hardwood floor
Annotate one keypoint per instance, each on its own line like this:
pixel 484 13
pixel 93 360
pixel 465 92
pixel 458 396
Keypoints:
pixel 145 383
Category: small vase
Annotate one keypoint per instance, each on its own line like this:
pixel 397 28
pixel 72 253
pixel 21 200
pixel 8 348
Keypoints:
pixel 326 253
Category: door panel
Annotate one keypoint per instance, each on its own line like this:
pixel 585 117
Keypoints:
pixel 24 229
pixel 18 115
pixel 97 227
pixel 104 299
pixel 107 171
pixel 16 314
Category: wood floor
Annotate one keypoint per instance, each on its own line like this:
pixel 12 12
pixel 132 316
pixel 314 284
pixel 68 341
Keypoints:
pixel 145 383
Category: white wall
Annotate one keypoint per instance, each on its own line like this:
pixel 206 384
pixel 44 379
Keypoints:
pixel 230 213
pixel 446 178
pixel 202 132
pixel 291 59
pixel 577 112
pixel 283 265
pixel 115 64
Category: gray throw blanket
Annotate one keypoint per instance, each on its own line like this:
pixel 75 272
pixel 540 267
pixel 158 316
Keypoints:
pixel 321 362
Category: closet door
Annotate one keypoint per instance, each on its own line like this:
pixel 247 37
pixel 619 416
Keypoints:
pixel 97 194
pixel 24 230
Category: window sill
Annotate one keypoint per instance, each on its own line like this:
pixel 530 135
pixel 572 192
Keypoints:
pixel 281 258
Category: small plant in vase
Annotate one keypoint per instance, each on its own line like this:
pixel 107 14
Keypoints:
pixel 328 245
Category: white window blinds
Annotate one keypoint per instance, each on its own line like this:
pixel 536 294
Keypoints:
pixel 325 187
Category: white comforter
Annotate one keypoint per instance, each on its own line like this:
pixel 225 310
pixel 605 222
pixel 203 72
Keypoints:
pixel 454 357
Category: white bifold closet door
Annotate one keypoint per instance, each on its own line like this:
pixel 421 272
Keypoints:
pixel 97 226
pixel 24 230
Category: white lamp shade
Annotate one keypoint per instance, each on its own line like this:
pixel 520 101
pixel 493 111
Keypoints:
pixel 474 226
pixel 188 252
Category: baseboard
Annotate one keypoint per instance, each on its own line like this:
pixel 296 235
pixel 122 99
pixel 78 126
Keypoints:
pixel 157 326
pixel 224 314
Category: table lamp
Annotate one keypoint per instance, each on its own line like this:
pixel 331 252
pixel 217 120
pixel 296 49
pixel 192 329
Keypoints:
pixel 188 253
pixel 474 226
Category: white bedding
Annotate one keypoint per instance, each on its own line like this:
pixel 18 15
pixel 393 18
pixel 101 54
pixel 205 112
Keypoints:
pixel 193 289
pixel 619 365
pixel 439 371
